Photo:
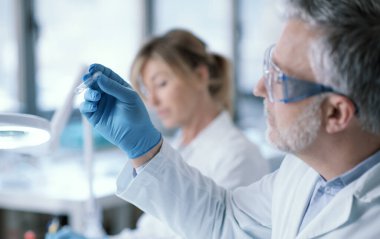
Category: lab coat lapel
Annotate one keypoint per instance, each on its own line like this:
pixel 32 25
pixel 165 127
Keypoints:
pixel 292 203
pixel 335 214
pixel 339 210
pixel 298 206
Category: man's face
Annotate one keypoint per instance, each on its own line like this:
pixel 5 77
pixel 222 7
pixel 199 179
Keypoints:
pixel 292 127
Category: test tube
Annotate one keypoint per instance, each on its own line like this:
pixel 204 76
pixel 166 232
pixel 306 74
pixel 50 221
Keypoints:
pixel 85 84
pixel 53 226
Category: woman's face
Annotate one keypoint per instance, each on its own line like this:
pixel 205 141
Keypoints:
pixel 174 99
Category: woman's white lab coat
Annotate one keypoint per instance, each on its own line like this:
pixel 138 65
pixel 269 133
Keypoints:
pixel 272 208
pixel 221 152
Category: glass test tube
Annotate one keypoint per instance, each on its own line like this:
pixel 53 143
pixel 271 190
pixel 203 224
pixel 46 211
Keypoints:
pixel 85 84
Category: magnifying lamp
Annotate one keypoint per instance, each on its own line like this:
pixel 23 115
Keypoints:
pixel 22 130
pixel 19 131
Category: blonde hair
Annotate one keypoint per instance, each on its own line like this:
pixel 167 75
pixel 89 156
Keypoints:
pixel 182 51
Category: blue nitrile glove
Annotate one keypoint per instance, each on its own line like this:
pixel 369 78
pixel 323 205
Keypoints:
pixel 118 113
pixel 64 233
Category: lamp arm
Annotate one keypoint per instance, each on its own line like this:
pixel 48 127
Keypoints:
pixel 62 115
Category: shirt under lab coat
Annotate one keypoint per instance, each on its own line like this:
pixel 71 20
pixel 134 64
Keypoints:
pixel 220 152
pixel 196 207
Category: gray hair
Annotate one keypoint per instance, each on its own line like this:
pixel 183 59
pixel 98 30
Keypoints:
pixel 347 55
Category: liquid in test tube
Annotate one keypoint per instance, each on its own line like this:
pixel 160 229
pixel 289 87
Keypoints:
pixel 85 84
pixel 53 226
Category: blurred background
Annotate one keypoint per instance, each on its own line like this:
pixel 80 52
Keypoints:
pixel 44 47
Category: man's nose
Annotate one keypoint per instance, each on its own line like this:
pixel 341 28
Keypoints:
pixel 260 89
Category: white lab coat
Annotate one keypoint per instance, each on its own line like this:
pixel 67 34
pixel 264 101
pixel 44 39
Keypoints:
pixel 220 152
pixel 272 208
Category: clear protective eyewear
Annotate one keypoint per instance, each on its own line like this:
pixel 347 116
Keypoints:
pixel 283 88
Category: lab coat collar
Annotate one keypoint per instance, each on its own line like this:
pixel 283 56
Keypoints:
pixel 365 190
pixel 335 214
pixel 212 131
pixel 294 199
pixel 305 190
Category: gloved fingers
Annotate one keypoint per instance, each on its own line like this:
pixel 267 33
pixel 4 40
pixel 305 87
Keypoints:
pixel 92 95
pixel 88 107
pixel 116 90
pixel 91 117
pixel 109 73
pixel 88 77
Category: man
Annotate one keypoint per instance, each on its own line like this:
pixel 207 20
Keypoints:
pixel 321 89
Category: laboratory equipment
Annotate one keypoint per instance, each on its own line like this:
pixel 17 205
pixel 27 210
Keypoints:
pixel 92 220
pixel 85 84
pixel 30 235
pixel 93 228
pixel 19 131
pixel 22 130
pixel 53 225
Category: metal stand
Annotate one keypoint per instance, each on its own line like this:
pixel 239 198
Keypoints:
pixel 93 222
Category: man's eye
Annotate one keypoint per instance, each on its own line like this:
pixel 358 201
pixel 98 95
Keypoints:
pixel 277 78
pixel 161 83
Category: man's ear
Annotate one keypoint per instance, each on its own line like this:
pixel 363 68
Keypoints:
pixel 338 111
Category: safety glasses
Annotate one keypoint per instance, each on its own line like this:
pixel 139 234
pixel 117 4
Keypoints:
pixel 283 88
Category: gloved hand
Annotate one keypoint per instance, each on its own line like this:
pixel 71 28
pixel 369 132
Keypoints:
pixel 64 233
pixel 117 112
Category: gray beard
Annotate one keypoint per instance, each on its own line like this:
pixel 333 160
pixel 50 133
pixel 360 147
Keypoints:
pixel 301 133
